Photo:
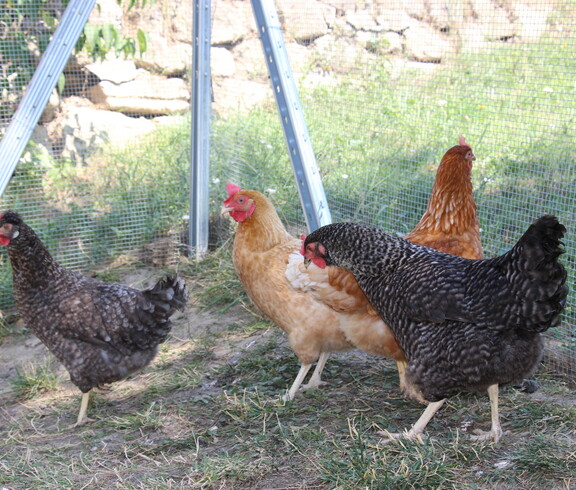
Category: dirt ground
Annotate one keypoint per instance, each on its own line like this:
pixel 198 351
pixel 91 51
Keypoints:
pixel 179 424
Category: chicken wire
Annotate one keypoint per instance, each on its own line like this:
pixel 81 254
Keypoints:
pixel 96 182
pixel 386 86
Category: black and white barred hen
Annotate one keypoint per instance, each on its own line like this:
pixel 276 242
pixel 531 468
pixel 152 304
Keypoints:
pixel 464 325
pixel 101 332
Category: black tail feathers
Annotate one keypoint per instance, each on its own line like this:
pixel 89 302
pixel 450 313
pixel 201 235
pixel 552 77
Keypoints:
pixel 168 295
pixel 539 277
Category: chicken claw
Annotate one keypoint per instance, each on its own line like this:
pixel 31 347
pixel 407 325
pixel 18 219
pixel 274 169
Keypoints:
pixel 410 435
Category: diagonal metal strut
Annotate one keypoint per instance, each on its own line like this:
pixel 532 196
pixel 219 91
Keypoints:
pixel 306 171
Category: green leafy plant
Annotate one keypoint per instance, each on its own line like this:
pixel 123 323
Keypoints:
pixel 26 29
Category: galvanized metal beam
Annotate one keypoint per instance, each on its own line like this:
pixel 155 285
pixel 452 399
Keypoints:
pixel 200 138
pixel 306 171
pixel 40 87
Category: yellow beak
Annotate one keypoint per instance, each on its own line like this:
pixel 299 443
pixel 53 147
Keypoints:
pixel 225 209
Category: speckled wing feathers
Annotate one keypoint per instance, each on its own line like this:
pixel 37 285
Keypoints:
pixel 493 310
pixel 100 331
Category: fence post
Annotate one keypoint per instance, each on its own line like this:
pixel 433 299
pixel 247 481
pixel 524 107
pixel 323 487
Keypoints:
pixel 306 171
pixel 43 82
pixel 200 137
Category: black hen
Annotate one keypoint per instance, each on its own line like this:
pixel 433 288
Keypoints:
pixel 100 331
pixel 463 324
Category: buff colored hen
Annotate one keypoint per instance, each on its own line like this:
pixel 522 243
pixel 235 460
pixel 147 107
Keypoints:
pixel 263 250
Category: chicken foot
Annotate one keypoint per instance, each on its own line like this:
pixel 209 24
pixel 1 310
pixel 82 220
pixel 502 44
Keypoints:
pixel 315 380
pixel 417 429
pixel 496 430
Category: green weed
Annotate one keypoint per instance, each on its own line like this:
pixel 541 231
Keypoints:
pixel 34 379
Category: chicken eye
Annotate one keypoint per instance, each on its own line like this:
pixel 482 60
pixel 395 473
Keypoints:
pixel 241 200
pixel 7 226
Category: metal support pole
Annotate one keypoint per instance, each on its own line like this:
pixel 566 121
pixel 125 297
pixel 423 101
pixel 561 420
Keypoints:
pixel 200 139
pixel 306 171
pixel 43 82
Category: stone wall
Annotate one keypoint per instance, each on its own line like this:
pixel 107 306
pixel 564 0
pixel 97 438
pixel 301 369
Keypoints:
pixel 324 39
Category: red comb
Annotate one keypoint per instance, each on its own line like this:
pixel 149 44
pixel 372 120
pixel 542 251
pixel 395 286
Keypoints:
pixel 462 141
pixel 232 189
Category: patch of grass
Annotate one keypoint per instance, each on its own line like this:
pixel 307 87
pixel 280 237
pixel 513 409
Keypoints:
pixel 265 370
pixel 404 464
pixel 34 379
pixel 539 455
pixel 149 419
pixel 217 284
pixel 108 275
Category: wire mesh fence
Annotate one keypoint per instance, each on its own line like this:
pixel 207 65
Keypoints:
pixel 387 87
pixel 96 180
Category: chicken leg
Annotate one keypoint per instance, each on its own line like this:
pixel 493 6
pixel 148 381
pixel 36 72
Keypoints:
pixel 315 380
pixel 418 428
pixel 496 430
pixel 83 409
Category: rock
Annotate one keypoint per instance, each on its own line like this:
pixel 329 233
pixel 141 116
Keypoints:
pixel 380 6
pixel 146 94
pixel 381 43
pixel 362 20
pixel 226 99
pixel 221 62
pixel 443 14
pixel 339 55
pixel 313 80
pixel 232 23
pixel 164 57
pixel 107 12
pixel 495 20
pixel 342 28
pixel 416 9
pixel 531 20
pixel 394 20
pixel 51 107
pixel 85 129
pixel 115 71
pixel 77 77
pixel 317 17
pixel 341 6
pixel 422 43
pixel 250 64
pixel 41 150
pixel 249 60
pixel 472 37
pixel 168 27
pixel 299 57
